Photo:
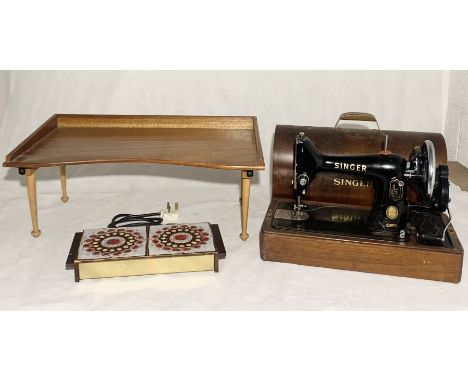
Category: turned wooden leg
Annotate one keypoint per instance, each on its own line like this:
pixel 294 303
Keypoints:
pixel 246 177
pixel 31 184
pixel 63 183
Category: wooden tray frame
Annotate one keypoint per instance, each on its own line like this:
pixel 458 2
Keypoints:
pixel 221 142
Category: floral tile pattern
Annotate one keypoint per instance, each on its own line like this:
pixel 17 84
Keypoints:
pixel 176 239
pixel 111 243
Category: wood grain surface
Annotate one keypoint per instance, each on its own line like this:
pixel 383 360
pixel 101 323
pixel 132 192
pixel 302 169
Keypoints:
pixel 365 255
pixel 230 143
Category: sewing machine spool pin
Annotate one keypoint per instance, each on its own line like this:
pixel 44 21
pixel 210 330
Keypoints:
pixel 336 233
pixel 390 210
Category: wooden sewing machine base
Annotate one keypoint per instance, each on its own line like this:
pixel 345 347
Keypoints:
pixel 408 259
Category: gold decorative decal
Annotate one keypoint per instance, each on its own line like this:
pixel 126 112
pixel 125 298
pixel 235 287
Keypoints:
pixel 395 191
pixel 350 166
pixel 391 212
pixel 352 182
pixel 344 218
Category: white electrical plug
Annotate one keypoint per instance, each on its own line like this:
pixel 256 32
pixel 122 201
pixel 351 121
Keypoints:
pixel 170 215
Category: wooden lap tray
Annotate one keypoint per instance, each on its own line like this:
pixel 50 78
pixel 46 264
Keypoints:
pixel 229 143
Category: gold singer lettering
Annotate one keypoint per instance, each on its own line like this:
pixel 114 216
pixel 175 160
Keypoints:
pixel 343 218
pixel 350 166
pixel 352 182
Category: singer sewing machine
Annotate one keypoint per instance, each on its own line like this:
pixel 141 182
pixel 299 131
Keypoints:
pixel 391 213
pixel 377 201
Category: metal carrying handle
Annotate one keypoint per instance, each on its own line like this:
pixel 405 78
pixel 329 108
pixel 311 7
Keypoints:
pixel 357 116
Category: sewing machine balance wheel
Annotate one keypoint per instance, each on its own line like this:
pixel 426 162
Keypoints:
pixel 429 171
pixel 368 209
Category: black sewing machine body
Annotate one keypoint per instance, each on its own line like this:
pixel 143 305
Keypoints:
pixel 390 215
pixel 352 222
pixel 341 199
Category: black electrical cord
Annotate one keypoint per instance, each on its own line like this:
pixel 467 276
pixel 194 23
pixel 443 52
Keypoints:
pixel 129 220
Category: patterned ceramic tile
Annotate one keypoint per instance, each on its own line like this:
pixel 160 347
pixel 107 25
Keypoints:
pixel 111 243
pixel 175 239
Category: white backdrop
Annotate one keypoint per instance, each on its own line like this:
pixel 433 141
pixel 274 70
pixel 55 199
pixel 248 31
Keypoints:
pixel 456 130
pixel 33 269
pixel 400 100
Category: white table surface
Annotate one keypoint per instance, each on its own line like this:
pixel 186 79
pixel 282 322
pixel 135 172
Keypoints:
pixel 33 275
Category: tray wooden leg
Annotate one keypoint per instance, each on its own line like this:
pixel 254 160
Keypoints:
pixel 31 184
pixel 63 183
pixel 245 186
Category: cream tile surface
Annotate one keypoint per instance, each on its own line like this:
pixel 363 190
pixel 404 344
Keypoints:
pixel 107 243
pixel 175 239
